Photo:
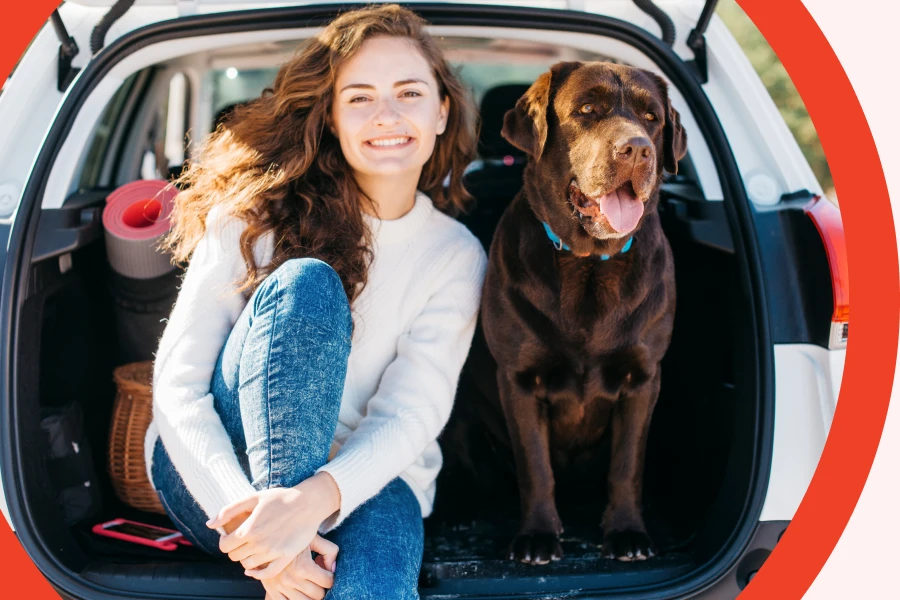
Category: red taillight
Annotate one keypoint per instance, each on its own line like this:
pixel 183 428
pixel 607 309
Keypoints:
pixel 827 218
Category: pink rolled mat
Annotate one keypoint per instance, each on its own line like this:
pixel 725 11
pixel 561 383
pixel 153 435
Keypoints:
pixel 136 217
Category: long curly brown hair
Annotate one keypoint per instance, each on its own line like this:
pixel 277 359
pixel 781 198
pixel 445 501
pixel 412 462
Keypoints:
pixel 275 164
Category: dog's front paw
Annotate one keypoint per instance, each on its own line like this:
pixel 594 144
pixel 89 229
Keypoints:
pixel 628 546
pixel 535 548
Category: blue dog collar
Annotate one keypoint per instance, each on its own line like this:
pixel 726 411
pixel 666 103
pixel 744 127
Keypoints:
pixel 558 243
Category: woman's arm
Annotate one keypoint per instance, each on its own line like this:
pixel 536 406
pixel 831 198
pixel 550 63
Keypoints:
pixel 204 313
pixel 416 392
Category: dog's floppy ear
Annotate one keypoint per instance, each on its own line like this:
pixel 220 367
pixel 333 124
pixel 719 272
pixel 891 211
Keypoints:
pixel 674 138
pixel 525 126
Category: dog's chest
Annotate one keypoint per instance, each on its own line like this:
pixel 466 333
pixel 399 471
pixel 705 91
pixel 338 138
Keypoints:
pixel 593 305
pixel 601 351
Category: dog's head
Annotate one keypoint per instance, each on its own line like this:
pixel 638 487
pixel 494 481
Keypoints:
pixel 599 135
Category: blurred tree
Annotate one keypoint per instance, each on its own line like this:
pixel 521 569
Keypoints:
pixel 780 87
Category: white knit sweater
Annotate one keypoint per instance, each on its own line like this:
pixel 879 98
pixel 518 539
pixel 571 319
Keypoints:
pixel 413 325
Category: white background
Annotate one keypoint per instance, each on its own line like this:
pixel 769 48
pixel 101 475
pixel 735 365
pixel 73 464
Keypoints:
pixel 865 35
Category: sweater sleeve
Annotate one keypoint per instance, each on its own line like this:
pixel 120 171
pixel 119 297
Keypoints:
pixel 416 391
pixel 204 313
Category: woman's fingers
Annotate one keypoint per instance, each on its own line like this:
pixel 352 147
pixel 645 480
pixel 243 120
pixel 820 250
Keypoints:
pixel 317 575
pixel 229 543
pixel 306 588
pixel 233 510
pixel 275 567
pixel 327 549
pixel 323 546
pixel 240 553
pixel 318 594
pixel 293 594
pixel 273 590
pixel 320 576
pixel 238 537
pixel 304 571
pixel 255 561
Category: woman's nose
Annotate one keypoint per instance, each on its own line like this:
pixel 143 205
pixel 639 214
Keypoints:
pixel 387 114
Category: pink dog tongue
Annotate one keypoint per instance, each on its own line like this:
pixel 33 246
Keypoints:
pixel 622 210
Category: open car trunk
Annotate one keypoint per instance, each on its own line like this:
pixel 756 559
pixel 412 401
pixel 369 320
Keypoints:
pixel 698 461
pixel 702 490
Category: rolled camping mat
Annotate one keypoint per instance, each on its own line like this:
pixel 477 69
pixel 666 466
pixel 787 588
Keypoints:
pixel 136 217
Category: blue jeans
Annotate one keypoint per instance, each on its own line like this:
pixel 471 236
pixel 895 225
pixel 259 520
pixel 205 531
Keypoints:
pixel 277 386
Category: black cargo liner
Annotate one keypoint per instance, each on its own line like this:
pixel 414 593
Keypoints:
pixel 709 452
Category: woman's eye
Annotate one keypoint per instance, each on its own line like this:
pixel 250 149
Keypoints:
pixel 411 94
pixel 358 99
pixel 650 116
pixel 586 109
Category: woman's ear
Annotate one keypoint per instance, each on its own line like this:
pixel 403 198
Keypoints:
pixel 444 115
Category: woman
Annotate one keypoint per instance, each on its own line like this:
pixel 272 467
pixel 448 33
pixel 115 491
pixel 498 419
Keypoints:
pixel 322 201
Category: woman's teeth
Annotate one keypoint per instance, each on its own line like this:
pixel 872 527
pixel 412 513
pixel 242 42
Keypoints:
pixel 390 142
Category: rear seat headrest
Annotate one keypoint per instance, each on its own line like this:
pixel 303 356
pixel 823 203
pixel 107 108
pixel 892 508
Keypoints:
pixel 494 105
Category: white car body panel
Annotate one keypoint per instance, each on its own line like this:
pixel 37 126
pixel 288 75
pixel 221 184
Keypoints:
pixel 807 382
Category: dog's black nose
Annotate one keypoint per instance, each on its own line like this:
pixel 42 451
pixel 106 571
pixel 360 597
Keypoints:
pixel 633 149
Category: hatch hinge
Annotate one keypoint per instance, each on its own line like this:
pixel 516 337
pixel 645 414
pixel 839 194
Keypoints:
pixel 697 41
pixel 98 35
pixel 68 50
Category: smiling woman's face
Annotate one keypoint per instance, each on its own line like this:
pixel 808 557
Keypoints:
pixel 387 110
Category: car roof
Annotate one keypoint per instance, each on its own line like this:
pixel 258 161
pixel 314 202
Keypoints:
pixel 242 4
pixel 238 4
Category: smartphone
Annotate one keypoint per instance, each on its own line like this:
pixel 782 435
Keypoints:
pixel 141 533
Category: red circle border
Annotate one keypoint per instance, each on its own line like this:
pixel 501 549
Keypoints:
pixel 875 279
pixel 872 256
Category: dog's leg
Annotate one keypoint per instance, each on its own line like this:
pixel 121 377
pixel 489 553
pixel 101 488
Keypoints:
pixel 624 535
pixel 537 542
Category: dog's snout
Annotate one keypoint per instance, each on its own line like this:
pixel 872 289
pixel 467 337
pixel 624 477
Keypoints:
pixel 633 149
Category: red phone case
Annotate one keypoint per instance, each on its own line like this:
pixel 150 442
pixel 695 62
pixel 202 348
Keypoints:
pixel 173 537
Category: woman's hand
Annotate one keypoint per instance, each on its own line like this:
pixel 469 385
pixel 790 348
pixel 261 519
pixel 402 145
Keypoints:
pixel 303 578
pixel 282 523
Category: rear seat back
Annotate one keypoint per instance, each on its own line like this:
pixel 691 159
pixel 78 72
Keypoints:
pixel 497 178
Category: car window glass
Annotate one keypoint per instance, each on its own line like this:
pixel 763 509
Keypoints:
pixel 91 173
pixel 164 143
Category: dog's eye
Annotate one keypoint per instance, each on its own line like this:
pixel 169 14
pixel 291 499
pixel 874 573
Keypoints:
pixel 586 109
pixel 650 116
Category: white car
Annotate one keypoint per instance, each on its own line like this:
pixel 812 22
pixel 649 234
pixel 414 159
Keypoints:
pixel 750 381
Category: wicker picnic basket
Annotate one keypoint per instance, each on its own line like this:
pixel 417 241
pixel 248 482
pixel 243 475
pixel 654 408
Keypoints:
pixel 132 412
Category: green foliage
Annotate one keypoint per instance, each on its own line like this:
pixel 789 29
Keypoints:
pixel 780 87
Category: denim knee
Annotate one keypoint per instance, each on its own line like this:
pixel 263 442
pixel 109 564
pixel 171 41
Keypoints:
pixel 381 544
pixel 309 288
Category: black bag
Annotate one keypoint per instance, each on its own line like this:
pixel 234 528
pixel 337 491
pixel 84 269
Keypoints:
pixel 70 464
pixel 141 307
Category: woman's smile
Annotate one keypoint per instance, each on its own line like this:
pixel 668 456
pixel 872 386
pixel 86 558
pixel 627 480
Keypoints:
pixel 390 143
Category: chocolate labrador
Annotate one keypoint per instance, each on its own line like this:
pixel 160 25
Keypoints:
pixel 579 298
